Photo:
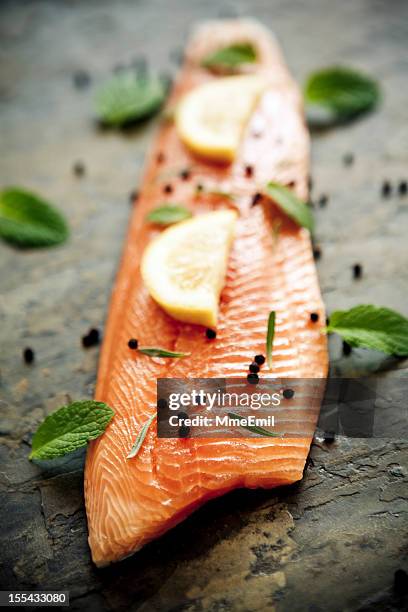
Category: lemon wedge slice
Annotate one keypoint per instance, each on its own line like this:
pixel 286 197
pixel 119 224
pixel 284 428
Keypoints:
pixel 184 268
pixel 211 118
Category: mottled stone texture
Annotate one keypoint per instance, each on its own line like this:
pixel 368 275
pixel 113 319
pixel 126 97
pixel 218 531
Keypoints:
pixel 332 542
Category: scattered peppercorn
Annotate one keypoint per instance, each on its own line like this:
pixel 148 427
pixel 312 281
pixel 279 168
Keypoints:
pixel 323 200
pixel 160 157
pixel 185 174
pixel 357 270
pixel 288 393
pixel 254 367
pixel 249 171
pixel 327 321
pixel 184 431
pixel 403 188
pixel 259 359
pixel 401 582
pixel 314 317
pixel 346 348
pixel 348 159
pixel 81 79
pixel 253 378
pixel 28 355
pixel 133 196
pixel 211 333
pixel 317 252
pixel 78 168
pixel 91 338
pixel 199 187
pixel 133 343
pixel 291 184
pixel 168 188
pixel 329 437
pixel 386 189
pixel 256 198
pixel 162 404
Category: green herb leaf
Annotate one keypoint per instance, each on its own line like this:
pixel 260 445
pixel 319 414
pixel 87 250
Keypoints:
pixel 342 92
pixel 129 97
pixel 140 437
pixel 69 428
pixel 168 214
pixel 159 352
pixel 229 59
pixel 28 221
pixel 290 204
pixel 269 337
pixel 372 327
pixel 253 428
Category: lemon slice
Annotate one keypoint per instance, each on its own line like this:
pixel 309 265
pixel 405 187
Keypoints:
pixel 184 268
pixel 211 118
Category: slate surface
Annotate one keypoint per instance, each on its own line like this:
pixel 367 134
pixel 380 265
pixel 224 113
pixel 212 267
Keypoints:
pixel 331 542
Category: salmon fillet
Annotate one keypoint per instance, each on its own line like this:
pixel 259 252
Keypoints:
pixel 130 502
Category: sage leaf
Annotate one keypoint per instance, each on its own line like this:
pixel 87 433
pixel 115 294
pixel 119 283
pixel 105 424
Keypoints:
pixel 26 220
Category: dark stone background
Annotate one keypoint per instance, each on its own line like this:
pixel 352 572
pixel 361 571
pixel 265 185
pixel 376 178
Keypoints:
pixel 331 542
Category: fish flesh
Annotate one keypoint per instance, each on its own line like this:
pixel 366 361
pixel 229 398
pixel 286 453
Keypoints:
pixel 132 501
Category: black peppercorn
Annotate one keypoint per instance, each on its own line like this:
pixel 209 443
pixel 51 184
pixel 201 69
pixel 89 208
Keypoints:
pixel 91 338
pixel 348 159
pixel 357 271
pixel 259 359
pixel 78 168
pixel 403 188
pixel 256 198
pixel 133 196
pixel 28 355
pixel 346 348
pixel 249 171
pixel 185 174
pixel 210 333
pixel 314 317
pixel 386 189
pixel 253 378
pixel 288 393
pixel 254 367
pixel 168 188
pixel 133 343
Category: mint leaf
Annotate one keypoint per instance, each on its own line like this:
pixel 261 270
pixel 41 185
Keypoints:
pixel 290 204
pixel 140 437
pixel 342 92
pixel 28 221
pixel 270 333
pixel 167 214
pixel 159 352
pixel 229 59
pixel 372 327
pixel 69 428
pixel 129 97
